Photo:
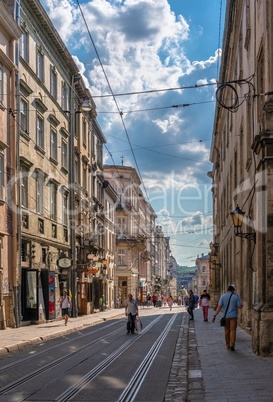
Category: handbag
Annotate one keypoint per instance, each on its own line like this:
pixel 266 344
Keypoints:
pixel 223 320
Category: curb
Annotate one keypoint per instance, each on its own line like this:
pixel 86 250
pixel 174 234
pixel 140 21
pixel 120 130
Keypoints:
pixel 177 387
pixel 196 387
pixel 19 345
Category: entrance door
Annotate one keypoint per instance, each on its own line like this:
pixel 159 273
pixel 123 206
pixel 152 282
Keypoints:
pixel 29 295
pixel 122 289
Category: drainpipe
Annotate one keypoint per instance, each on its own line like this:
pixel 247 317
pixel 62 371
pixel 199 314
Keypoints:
pixel 73 272
pixel 17 216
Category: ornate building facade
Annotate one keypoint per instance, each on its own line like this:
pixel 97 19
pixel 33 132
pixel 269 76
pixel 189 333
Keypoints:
pixel 242 158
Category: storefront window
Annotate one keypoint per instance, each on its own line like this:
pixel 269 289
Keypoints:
pixel 31 287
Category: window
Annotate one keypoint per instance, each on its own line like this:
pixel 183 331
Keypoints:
pixel 40 131
pixel 24 187
pixel 54 231
pixel 2 175
pixel 76 167
pixel 64 155
pixel 24 115
pixel 53 82
pixel 53 201
pixel 40 63
pixel 44 255
pixel 40 194
pixel 23 49
pixel 203 268
pixel 64 96
pixel 121 225
pixel 1 83
pixel 77 123
pixel 24 251
pixel 53 145
pixel 40 226
pixel 25 220
pixel 84 133
pixel 84 176
pixel 121 256
pixel 65 208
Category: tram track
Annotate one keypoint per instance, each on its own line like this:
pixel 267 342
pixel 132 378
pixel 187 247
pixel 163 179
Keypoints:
pixel 52 348
pixel 49 366
pixel 77 387
pixel 137 379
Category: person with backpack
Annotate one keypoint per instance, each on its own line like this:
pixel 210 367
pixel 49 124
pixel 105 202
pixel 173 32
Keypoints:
pixel 65 306
pixel 131 311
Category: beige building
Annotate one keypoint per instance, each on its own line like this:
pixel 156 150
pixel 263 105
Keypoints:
pixel 47 85
pixel 9 274
pixel 130 229
pixel 201 279
pixel 142 257
pixel 242 158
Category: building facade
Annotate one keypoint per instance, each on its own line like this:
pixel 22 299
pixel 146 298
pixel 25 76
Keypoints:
pixel 69 222
pixel 9 274
pixel 202 274
pixel 242 158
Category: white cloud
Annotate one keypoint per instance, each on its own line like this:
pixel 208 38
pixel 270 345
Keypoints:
pixel 143 45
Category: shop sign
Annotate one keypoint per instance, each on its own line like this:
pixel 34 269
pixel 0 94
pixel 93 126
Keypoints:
pixel 64 262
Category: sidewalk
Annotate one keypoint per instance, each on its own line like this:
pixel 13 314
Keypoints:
pixel 219 375
pixel 18 338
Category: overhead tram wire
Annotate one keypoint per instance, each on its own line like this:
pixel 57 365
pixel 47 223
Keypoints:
pixel 113 96
pixel 160 108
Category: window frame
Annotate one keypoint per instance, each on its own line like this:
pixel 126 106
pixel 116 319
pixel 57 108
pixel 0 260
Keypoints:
pixel 40 63
pixel 40 194
pixel 24 122
pixel 64 99
pixel 24 44
pixel 24 186
pixel 40 131
pixel 121 256
pixel 53 201
pixel 53 82
pixel 64 148
pixel 65 207
pixel 53 144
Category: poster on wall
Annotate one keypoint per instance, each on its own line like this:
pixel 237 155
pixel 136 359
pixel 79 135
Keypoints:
pixel 51 295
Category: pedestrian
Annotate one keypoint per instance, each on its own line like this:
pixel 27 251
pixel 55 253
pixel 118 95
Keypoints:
pixel 191 304
pixel 170 302
pixel 131 311
pixel 65 306
pixel 196 298
pixel 204 303
pixel 154 299
pixel 229 303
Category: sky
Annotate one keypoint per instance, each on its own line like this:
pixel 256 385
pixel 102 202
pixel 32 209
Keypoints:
pixel 160 59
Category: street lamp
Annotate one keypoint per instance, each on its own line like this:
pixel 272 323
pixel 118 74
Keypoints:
pixel 238 218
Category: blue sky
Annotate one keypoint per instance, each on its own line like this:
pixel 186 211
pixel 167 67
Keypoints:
pixel 153 45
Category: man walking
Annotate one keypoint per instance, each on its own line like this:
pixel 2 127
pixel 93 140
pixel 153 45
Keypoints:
pixel 204 303
pixel 191 304
pixel 229 303
pixel 65 306
pixel 131 311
